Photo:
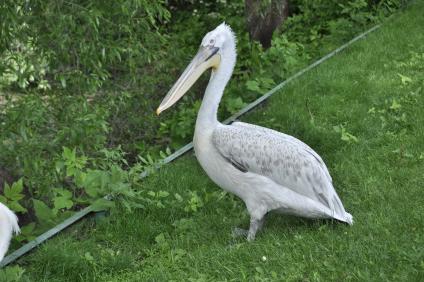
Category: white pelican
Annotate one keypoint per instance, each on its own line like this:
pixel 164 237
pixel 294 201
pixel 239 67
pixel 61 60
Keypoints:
pixel 268 170
pixel 8 226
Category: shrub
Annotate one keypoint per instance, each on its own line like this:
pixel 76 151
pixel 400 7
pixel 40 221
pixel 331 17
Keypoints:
pixel 86 42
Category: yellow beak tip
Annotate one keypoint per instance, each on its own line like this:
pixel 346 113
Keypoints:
pixel 158 111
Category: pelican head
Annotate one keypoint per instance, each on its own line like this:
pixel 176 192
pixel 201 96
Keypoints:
pixel 211 52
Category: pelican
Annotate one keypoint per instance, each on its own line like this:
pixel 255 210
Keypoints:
pixel 8 226
pixel 268 170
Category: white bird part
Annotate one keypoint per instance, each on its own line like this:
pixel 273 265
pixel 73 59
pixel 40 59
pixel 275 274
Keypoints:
pixel 8 227
pixel 267 169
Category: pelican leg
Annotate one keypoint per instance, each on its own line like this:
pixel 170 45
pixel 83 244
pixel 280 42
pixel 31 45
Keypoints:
pixel 255 226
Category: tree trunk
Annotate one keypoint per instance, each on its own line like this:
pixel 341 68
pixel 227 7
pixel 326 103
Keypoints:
pixel 263 17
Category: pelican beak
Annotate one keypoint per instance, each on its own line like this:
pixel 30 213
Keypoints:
pixel 207 57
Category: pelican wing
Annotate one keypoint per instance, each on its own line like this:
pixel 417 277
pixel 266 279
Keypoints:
pixel 289 139
pixel 283 158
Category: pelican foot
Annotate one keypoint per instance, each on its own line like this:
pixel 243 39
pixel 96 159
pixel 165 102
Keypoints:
pixel 239 232
pixel 255 226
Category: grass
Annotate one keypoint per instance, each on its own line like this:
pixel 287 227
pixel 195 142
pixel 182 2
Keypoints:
pixel 362 112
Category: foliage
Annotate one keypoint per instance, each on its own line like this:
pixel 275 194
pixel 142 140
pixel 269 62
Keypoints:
pixel 13 274
pixel 83 44
pixel 181 125
pixel 315 22
pixel 35 128
pixel 345 135
pixel 24 65
pixel 12 195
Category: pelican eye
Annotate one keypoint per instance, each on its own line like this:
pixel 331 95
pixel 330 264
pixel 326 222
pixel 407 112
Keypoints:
pixel 212 41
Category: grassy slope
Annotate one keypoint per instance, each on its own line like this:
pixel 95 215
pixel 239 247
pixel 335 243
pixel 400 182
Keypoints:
pixel 379 179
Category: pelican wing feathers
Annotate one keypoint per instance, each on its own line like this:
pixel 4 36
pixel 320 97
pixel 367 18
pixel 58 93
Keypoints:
pixel 286 160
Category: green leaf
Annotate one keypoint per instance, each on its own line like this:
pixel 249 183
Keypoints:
pixel 17 207
pixel 68 154
pixel 163 194
pixel 79 178
pixel 160 239
pixel 408 155
pixel 395 105
pixel 59 166
pixel 62 203
pixel 18 186
pixel 27 233
pixel 43 212
pixel 405 79
pixel 28 229
pixel 63 82
pixel 253 85
pixel 117 175
pixel 3 199
pixel 88 257
pixel 346 136
pixel 95 182
pixel 14 192
pixel 337 128
pixel 102 204
pixel 65 193
pixel 7 190
pixel 178 197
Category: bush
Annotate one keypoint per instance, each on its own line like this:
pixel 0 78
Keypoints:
pixel 83 42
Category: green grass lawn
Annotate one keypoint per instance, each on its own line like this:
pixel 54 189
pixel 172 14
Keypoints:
pixel 362 111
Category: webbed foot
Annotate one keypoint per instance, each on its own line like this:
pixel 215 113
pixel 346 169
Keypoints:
pixel 255 226
pixel 239 232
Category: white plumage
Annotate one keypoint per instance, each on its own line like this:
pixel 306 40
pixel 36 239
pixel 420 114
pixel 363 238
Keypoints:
pixel 268 170
pixel 8 226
